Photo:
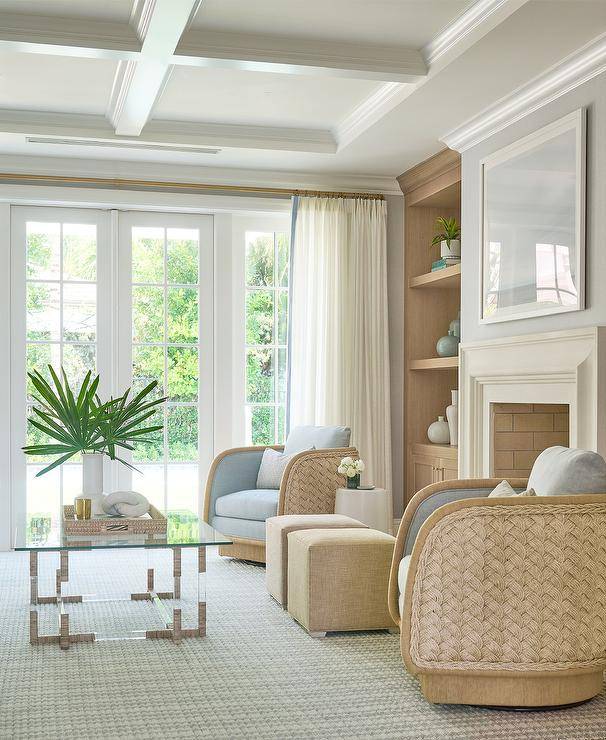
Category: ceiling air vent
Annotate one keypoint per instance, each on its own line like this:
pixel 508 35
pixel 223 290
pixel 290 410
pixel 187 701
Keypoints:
pixel 121 145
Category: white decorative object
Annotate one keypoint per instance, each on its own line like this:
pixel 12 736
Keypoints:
pixel 438 432
pixel 125 503
pixel 454 250
pixel 505 490
pixel 92 480
pixel 351 469
pixel 533 224
pixel 371 507
pixel 273 465
pixel 452 416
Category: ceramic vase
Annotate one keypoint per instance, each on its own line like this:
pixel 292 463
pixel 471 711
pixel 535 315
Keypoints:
pixel 438 432
pixel 353 482
pixel 92 480
pixel 455 326
pixel 448 346
pixel 452 415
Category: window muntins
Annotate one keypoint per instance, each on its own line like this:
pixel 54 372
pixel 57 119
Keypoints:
pixel 266 331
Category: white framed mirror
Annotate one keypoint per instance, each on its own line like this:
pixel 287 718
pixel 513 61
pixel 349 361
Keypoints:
pixel 533 224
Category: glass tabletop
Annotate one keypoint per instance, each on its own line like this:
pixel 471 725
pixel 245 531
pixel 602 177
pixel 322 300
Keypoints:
pixel 184 529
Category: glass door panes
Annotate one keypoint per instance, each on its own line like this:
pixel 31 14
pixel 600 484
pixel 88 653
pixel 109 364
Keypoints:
pixel 267 261
pixel 60 330
pixel 166 346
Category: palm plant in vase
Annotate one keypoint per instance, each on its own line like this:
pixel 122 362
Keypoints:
pixel 80 423
pixel 448 236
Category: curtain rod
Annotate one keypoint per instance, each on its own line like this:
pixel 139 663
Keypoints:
pixel 120 183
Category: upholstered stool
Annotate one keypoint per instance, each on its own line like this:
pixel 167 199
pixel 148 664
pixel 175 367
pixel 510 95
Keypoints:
pixel 338 579
pixel 277 530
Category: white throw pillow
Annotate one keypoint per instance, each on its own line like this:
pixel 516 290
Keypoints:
pixel 504 489
pixel 273 465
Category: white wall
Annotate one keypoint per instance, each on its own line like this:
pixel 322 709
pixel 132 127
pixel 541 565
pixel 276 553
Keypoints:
pixel 592 95
pixel 395 295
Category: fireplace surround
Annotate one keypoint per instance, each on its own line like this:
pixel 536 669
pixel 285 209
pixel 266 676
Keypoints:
pixel 563 367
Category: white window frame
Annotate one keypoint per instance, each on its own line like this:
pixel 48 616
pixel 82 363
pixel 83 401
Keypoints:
pixel 242 224
pixel 18 342
pixel 204 224
pixel 228 212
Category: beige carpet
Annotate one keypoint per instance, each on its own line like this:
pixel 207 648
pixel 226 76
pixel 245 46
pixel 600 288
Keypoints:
pixel 256 675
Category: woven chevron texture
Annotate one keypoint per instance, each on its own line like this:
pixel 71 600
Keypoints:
pixel 513 588
pixel 313 481
pixel 256 674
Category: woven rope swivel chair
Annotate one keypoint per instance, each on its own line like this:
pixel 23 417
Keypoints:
pixel 502 601
pixel 237 508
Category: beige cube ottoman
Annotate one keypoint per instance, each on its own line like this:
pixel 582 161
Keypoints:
pixel 338 579
pixel 276 551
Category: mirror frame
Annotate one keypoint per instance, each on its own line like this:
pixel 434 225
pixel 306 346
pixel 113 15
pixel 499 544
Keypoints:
pixel 577 122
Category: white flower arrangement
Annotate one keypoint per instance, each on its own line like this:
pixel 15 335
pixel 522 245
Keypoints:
pixel 350 467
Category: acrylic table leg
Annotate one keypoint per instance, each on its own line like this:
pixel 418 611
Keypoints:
pixel 33 576
pixel 201 602
pixel 177 572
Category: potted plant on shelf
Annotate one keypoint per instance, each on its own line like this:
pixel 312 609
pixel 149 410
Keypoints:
pixel 80 423
pixel 449 239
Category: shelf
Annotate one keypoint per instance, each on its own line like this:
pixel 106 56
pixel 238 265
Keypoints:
pixel 447 277
pixel 434 363
pixel 427 448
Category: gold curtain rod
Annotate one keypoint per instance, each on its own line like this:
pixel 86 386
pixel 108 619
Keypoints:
pixel 121 183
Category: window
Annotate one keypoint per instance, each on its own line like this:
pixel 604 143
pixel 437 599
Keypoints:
pixel 165 348
pixel 266 331
pixel 58 266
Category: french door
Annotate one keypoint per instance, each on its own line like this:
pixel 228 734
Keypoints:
pixel 128 295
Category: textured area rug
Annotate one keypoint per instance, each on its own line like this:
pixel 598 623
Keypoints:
pixel 256 675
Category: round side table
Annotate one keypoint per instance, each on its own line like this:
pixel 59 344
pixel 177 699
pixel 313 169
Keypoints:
pixel 371 507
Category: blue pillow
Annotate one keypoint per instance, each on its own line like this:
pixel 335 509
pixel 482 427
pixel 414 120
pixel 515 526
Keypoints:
pixel 305 437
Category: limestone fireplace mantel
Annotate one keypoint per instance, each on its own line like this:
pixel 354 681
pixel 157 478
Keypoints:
pixel 556 367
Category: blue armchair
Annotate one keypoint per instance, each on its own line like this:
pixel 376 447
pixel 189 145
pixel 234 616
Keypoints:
pixel 237 508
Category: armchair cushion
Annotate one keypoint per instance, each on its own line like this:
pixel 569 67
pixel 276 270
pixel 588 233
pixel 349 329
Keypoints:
pixel 306 437
pixel 272 467
pixel 560 470
pixel 257 504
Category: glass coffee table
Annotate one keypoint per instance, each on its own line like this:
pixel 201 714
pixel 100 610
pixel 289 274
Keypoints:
pixel 171 606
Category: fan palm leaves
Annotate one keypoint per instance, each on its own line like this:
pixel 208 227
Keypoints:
pixel 83 423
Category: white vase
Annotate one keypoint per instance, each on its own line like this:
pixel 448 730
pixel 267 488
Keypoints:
pixel 452 414
pixel 92 481
pixel 438 432
pixel 454 250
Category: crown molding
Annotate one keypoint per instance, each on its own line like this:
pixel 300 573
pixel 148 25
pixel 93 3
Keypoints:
pixel 576 69
pixel 128 169
pixel 478 20
pixel 426 171
pixel 469 21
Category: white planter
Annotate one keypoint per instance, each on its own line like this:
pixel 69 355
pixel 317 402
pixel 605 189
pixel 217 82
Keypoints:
pixel 453 251
pixel 92 480
pixel 452 414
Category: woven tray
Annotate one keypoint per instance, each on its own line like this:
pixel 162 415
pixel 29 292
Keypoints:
pixel 155 524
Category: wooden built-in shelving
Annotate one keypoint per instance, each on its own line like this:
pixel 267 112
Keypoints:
pixel 447 277
pixel 434 363
pixel 431 301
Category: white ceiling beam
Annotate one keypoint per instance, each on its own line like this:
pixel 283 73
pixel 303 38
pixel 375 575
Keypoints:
pixel 141 85
pixel 38 34
pixel 175 133
pixel 472 25
pixel 266 53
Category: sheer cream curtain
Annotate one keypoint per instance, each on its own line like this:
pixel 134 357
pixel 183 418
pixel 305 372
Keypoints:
pixel 339 354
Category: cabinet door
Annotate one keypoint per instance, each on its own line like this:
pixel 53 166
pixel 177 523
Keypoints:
pixel 424 471
pixel 448 469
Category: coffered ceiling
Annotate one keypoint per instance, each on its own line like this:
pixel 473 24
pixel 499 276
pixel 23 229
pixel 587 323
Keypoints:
pixel 345 86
